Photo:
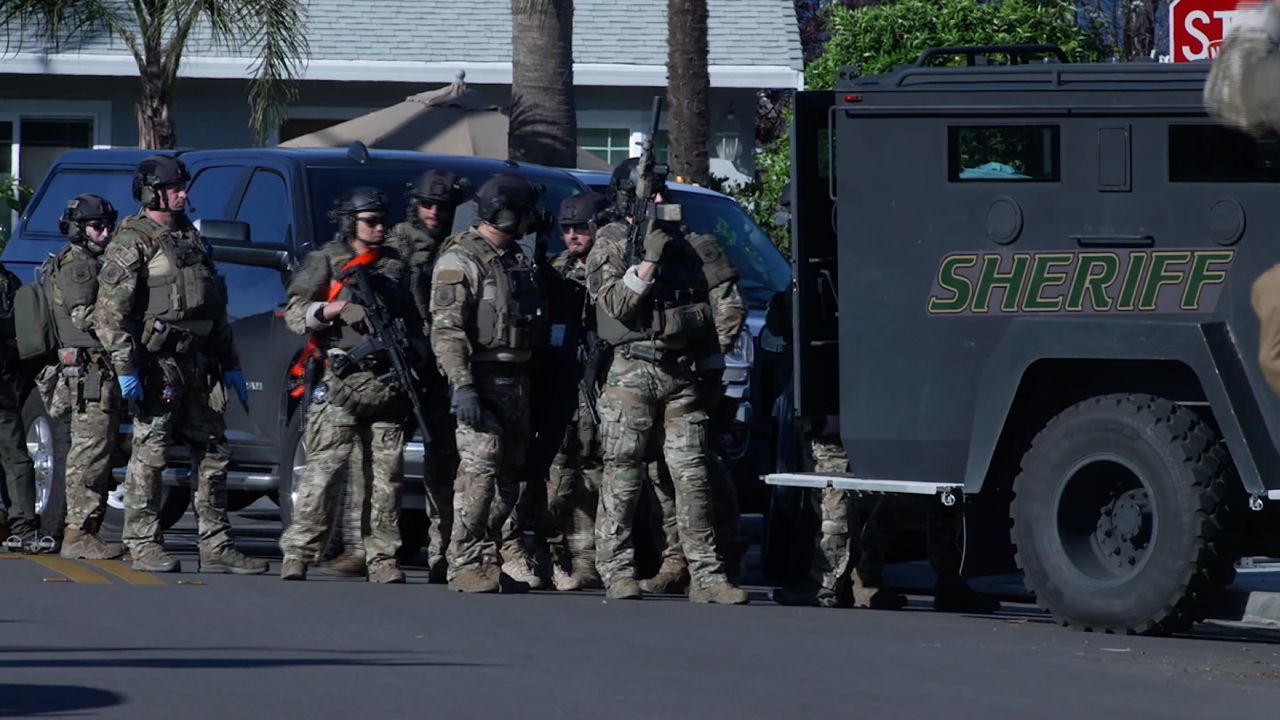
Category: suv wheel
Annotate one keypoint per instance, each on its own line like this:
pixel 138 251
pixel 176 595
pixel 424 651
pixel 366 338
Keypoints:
pixel 1120 515
pixel 293 460
pixel 47 444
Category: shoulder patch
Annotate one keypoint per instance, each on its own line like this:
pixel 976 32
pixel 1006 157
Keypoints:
pixel 124 256
pixel 80 273
pixel 443 296
pixel 111 273
pixel 448 276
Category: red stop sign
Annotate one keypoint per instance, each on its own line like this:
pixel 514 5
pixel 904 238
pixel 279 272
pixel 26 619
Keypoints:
pixel 1196 27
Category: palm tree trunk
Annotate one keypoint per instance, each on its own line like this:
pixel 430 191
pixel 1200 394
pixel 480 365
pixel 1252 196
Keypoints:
pixel 688 87
pixel 544 123
pixel 156 129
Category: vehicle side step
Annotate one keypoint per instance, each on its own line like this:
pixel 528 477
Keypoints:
pixel 946 491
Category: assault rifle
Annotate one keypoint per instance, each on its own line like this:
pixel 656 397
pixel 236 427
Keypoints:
pixel 387 333
pixel 651 178
pixel 594 355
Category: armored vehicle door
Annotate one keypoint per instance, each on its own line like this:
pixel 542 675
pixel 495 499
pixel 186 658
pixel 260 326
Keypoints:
pixel 813 252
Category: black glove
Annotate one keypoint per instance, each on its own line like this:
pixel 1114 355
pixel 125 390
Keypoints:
pixel 655 242
pixel 466 405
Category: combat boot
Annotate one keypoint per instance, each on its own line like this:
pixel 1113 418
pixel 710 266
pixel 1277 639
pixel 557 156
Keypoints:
pixel 345 565
pixel 562 580
pixel 293 569
pixel 386 572
pixel 879 599
pixel 672 579
pixel 229 560
pixel 960 598
pixel 722 593
pixel 150 557
pixel 624 589
pixel 439 573
pixel 473 580
pixel 585 573
pixel 77 543
pixel 520 570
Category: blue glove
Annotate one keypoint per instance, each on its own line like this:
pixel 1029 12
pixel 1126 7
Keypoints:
pixel 235 378
pixel 130 386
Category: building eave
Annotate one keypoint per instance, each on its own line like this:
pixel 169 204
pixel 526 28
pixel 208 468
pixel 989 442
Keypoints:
pixel 239 68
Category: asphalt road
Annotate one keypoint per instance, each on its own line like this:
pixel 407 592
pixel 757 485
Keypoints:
pixel 248 647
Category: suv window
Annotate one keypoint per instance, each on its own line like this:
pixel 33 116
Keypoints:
pixel 211 191
pixel 1002 153
pixel 761 268
pixel 267 209
pixel 114 185
pixel 1216 154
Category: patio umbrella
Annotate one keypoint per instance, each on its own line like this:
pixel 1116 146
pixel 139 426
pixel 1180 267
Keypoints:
pixel 454 120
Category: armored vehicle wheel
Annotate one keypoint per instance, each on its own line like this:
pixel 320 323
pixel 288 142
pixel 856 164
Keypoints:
pixel 1119 515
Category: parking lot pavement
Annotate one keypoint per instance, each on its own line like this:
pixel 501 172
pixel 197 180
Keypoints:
pixel 257 647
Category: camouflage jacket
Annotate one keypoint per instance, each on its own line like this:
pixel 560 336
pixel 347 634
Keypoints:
pixel 461 283
pixel 309 289
pixel 418 248
pixel 1265 298
pixel 571 267
pixel 1233 93
pixel 726 301
pixel 123 290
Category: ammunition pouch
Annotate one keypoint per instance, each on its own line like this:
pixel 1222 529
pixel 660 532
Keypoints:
pixel 686 321
pixel 86 373
pixel 166 338
pixel 650 353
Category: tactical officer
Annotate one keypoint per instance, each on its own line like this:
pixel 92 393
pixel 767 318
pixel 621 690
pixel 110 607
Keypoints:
pixel 82 383
pixel 433 200
pixel 161 315
pixel 19 472
pixel 1243 85
pixel 652 306
pixel 355 416
pixel 486 312
pixel 730 316
pixel 573 483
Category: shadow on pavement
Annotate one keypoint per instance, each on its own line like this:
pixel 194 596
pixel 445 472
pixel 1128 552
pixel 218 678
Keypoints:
pixel 39 650
pixel 39 700
pixel 192 663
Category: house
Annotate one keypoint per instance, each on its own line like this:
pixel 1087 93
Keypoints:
pixel 367 55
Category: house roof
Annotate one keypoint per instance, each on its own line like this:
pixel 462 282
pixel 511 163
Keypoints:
pixel 753 43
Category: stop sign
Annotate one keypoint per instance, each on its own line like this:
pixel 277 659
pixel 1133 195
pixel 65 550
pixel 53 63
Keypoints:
pixel 1196 27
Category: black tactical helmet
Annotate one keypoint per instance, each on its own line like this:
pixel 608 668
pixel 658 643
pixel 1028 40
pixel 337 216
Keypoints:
pixel 624 177
pixel 439 186
pixel 354 202
pixel 154 173
pixel 82 209
pixel 583 208
pixel 505 201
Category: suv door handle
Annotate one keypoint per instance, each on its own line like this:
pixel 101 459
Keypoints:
pixel 1114 240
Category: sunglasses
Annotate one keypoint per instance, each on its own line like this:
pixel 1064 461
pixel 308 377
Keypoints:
pixel 378 221
pixel 97 225
pixel 576 228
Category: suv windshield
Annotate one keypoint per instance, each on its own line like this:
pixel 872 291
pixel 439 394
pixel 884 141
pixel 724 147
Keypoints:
pixel 763 269
pixel 326 184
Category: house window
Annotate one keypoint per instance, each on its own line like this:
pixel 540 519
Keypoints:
pixel 612 145
pixel 29 145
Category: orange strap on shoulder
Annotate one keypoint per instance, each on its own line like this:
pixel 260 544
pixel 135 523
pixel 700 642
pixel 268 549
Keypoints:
pixel 311 349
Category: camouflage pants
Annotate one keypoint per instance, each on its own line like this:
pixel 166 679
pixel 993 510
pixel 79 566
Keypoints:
pixel 638 395
pixel 368 454
pixel 573 489
pixel 843 539
pixel 94 424
pixel 439 466
pixel 193 416
pixel 490 456
pixel 19 472
pixel 724 510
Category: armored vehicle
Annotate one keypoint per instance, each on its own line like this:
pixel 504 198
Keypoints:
pixel 1031 282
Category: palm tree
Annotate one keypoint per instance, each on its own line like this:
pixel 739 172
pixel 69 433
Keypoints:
pixel 156 33
pixel 544 122
pixel 688 86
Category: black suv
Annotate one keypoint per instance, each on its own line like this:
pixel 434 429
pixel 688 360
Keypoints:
pixel 283 195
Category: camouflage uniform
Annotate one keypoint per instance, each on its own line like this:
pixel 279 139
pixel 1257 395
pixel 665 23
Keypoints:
pixel 652 381
pixel 730 316
pixel 484 305
pixel 1265 298
pixel 355 419
pixel 1243 86
pixel 161 311
pixel 19 472
pixel 83 385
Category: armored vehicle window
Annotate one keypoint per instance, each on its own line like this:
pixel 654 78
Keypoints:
pixel 1002 153
pixel 1216 154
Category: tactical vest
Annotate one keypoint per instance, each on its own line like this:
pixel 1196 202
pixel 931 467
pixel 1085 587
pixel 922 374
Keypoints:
pixel 341 335
pixel 183 287
pixel 715 264
pixel 74 272
pixel 509 313
pixel 677 309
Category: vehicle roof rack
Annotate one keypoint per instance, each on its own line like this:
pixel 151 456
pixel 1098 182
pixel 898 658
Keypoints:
pixel 978 54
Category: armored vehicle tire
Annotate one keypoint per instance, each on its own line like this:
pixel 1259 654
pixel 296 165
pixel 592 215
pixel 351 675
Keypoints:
pixel 1119 515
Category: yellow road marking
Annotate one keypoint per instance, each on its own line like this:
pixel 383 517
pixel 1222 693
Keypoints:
pixel 74 571
pixel 125 573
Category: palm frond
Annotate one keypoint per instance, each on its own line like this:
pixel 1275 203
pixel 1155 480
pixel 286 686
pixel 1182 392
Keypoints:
pixel 277 30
